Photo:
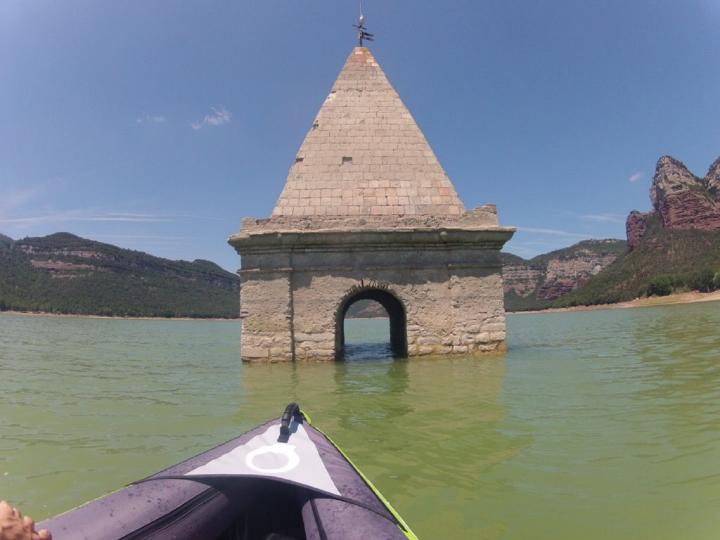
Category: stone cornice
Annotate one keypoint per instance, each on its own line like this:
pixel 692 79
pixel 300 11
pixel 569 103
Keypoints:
pixel 377 239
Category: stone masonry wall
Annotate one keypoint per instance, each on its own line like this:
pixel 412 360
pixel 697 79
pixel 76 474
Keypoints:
pixel 265 312
pixel 453 300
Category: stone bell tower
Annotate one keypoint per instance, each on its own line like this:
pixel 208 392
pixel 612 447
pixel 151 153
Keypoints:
pixel 367 212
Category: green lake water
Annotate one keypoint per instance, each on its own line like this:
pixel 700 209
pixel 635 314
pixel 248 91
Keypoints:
pixel 594 425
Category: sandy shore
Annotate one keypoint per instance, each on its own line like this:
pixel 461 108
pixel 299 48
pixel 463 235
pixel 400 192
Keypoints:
pixel 77 316
pixel 679 298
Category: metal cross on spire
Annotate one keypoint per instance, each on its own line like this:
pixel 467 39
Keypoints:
pixel 363 34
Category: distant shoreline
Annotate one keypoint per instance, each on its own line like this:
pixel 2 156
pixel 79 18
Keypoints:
pixel 81 316
pixel 692 297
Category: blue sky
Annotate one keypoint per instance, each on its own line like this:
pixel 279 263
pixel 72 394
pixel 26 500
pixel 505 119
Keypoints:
pixel 158 125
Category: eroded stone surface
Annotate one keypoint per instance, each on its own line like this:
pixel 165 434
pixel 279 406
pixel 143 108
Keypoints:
pixel 680 200
pixel 453 298
pixel 529 283
pixel 367 209
pixel 636 227
pixel 563 276
pixel 522 279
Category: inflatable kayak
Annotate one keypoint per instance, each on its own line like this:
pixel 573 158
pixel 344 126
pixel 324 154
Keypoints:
pixel 284 480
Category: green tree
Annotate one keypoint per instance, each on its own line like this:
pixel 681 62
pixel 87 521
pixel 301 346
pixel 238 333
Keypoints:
pixel 660 286
pixel 702 281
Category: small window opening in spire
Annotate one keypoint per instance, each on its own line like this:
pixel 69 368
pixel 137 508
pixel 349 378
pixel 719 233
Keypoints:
pixel 299 159
pixel 346 159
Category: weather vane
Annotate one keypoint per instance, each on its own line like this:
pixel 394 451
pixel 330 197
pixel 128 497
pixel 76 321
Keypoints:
pixel 363 34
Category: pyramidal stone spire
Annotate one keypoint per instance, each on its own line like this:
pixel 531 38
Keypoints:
pixel 367 213
pixel 365 155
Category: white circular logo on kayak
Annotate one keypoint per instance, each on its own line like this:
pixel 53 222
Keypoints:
pixel 281 449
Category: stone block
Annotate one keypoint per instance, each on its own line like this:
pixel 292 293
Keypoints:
pixel 253 354
pixel 494 327
pixel 482 337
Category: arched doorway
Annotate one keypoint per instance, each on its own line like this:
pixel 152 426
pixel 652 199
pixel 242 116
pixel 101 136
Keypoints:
pixel 395 311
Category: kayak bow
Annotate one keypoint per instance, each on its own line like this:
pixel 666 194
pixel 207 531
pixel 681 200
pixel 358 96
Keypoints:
pixel 283 480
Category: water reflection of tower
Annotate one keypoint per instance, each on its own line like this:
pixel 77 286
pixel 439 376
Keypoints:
pixel 457 414
pixel 371 391
pixel 454 441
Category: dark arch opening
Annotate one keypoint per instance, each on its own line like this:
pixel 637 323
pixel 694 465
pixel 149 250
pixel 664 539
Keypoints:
pixel 396 315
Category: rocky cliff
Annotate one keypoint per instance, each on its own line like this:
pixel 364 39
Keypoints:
pixel 681 201
pixel 676 243
pixel 535 283
pixel 68 274
pixel 682 258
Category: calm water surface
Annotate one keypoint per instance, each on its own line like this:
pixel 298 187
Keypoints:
pixel 595 425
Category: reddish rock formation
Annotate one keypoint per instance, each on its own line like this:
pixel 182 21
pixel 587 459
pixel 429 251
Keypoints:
pixel 680 199
pixel 565 275
pixel 522 279
pixel 533 283
pixel 636 226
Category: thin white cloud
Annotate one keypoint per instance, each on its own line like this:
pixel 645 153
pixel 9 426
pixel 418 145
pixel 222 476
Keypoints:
pixel 217 117
pixel 79 215
pixel 98 216
pixel 150 119
pixel 141 237
pixel 552 232
pixel 141 218
pixel 634 177
pixel 604 218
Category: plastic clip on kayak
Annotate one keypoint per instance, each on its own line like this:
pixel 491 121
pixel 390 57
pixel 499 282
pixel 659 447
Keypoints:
pixel 291 411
